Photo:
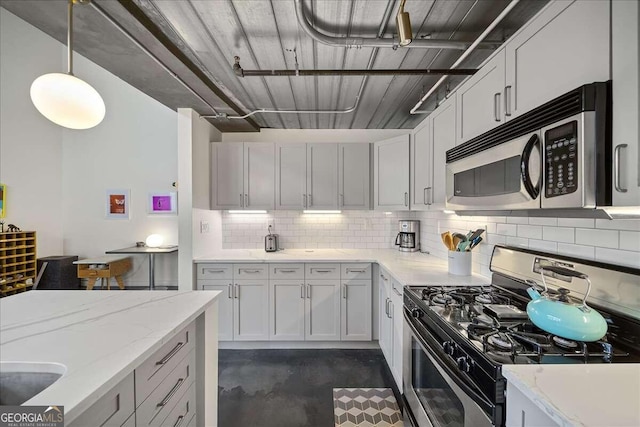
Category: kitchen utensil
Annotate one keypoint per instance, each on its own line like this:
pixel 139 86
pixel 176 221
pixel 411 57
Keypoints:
pixel 447 239
pixel 271 242
pixel 476 234
pixel 560 316
pixel 475 242
pixel 461 236
pixel 464 246
pixel 503 311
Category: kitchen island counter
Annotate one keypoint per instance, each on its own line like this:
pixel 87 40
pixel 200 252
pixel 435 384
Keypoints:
pixel 409 268
pixel 101 337
pixel 580 395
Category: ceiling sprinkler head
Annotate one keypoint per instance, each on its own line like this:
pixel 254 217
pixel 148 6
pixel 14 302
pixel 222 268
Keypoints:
pixel 403 22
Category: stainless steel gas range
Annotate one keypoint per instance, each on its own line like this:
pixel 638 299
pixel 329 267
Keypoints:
pixel 456 339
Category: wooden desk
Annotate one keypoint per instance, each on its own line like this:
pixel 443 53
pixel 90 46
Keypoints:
pixel 110 266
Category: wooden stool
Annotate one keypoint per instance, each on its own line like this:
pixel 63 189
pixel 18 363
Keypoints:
pixel 108 267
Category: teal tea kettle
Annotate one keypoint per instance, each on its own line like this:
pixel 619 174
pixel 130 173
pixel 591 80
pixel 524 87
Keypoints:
pixel 559 316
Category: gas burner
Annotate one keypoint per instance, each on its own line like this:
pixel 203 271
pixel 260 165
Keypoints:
pixel 501 341
pixel 484 298
pixel 565 343
pixel 442 298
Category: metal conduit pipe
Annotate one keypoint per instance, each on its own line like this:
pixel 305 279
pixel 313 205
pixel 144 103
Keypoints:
pixel 377 42
pixel 152 56
pixel 466 53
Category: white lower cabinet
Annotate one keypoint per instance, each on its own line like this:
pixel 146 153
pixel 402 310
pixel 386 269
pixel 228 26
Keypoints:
pixel 390 292
pixel 251 310
pixel 322 316
pixel 522 412
pixel 225 305
pixel 386 324
pixel 356 310
pixel 287 305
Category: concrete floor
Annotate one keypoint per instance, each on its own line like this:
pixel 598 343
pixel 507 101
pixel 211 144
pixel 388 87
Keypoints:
pixel 292 388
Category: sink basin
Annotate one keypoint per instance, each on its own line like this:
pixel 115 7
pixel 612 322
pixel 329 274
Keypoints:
pixel 20 381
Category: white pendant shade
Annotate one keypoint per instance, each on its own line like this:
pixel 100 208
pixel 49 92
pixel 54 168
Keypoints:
pixel 67 101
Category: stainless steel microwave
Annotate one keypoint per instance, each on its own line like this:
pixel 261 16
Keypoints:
pixel 557 156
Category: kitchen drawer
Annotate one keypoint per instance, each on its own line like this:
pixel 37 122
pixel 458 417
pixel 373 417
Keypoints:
pixel 286 271
pixel 322 271
pixel 156 368
pixel 131 421
pixel 214 271
pixel 396 288
pixel 356 271
pixel 250 271
pixel 112 409
pixel 162 400
pixel 182 412
pixel 385 279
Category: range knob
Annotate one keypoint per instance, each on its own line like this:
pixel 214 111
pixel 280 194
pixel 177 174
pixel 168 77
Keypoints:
pixel 449 347
pixel 464 364
pixel 416 313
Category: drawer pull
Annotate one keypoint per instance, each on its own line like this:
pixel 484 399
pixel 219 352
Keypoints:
pixel 251 271
pixel 396 291
pixel 383 278
pixel 287 271
pixel 173 391
pixel 172 353
pixel 324 271
pixel 209 270
pixel 179 421
pixel 351 270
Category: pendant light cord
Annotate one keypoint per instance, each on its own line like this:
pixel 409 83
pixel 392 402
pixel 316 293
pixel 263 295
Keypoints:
pixel 70 39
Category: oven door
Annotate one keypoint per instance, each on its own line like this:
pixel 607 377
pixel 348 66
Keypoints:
pixel 503 177
pixel 437 396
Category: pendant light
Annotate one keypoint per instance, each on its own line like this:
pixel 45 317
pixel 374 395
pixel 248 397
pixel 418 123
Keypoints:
pixel 65 99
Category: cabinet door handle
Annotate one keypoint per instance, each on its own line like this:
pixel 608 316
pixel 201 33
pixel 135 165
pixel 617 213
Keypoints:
pixel 302 291
pixel 341 200
pixel 428 197
pixel 308 291
pixel 616 168
pixel 390 309
pixel 236 293
pixel 246 200
pixel 179 421
pixel 386 306
pixel 230 290
pixel 173 391
pixel 344 291
pixel 424 196
pixel 507 101
pixel 310 200
pixel 241 201
pixel 406 199
pixel 169 355
pixel 304 200
pixel 496 106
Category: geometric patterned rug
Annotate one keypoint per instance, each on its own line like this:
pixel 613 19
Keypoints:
pixel 366 407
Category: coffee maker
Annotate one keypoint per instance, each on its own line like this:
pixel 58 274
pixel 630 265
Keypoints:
pixel 408 239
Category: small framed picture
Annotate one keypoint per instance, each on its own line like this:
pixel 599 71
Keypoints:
pixel 163 203
pixel 117 204
pixel 3 200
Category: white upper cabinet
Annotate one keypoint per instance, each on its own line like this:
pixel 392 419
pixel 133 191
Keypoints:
pixel 479 100
pixel 259 175
pixel 242 175
pixel 322 176
pixel 562 48
pixel 353 176
pixel 291 176
pixel 626 135
pixel 421 166
pixel 227 188
pixel 443 137
pixel 391 173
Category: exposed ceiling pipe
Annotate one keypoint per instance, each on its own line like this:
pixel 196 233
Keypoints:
pixel 240 72
pixel 466 53
pixel 152 56
pixel 393 42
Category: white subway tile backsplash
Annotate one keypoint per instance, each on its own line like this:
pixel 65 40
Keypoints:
pixel 517 241
pixel 543 245
pixel 618 257
pixel 543 221
pixel 596 237
pixel 558 234
pixel 517 220
pixel 530 231
pixel 630 240
pixel 619 224
pixel 576 222
pixel 577 251
pixel 507 229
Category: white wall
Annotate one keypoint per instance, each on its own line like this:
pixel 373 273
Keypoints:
pixel 30 146
pixel 62 193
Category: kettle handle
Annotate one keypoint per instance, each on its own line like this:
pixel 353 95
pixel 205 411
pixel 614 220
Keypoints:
pixel 398 240
pixel 569 273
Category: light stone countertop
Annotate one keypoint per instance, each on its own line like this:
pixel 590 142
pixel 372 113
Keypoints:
pixel 100 337
pixel 409 268
pixel 603 395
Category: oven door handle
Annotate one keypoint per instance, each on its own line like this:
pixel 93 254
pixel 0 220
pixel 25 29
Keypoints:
pixel 455 376
pixel 532 189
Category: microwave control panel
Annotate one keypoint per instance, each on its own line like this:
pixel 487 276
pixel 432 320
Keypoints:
pixel 561 160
